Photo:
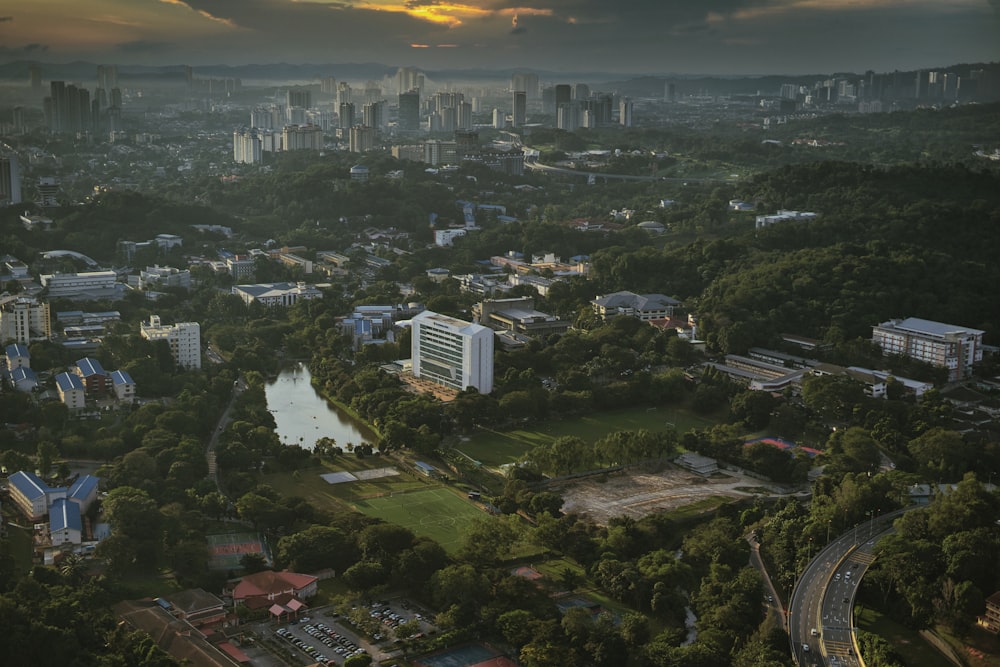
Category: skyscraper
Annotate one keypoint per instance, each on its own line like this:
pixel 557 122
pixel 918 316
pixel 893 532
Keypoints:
pixel 107 76
pixel 527 82
pixel 564 93
pixel 373 115
pixel 519 108
pixel 625 112
pixel 298 97
pixel 361 139
pixel 346 115
pixel 409 111
pixel 10 181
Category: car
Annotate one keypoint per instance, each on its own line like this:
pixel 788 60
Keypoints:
pixel 847 601
pixel 805 648
pixel 814 632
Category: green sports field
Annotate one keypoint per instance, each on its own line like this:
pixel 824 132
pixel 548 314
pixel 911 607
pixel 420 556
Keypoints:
pixel 495 448
pixel 437 513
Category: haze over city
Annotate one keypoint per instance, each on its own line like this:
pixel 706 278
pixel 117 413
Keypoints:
pixel 632 36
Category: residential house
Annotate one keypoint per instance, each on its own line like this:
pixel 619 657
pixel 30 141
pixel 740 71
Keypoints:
pixel 123 385
pixel 71 391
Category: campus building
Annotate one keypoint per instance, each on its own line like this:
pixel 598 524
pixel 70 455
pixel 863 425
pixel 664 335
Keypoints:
pixel 452 352
pixel 184 339
pixel 276 295
pixel 943 345
pixel 24 319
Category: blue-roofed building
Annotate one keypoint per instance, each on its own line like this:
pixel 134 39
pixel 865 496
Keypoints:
pixel 426 469
pixel 124 386
pixel 31 495
pixel 71 391
pixel 17 356
pixel 84 491
pixel 96 381
pixel 65 523
pixel 23 379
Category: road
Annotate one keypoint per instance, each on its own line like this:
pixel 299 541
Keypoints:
pixel 238 387
pixel 820 617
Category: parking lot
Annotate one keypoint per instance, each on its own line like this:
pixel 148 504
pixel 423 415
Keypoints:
pixel 322 638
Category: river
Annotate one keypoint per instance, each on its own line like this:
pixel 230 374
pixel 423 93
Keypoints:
pixel 303 416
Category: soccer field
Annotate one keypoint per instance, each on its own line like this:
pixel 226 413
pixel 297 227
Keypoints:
pixel 439 514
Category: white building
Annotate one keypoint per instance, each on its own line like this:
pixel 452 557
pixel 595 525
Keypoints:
pixel 446 237
pixel 157 277
pixel 123 385
pixel 644 306
pixel 276 294
pixel 24 319
pixel 452 352
pixel 781 216
pixel 87 285
pixel 247 146
pixel 943 345
pixel 184 339
pixel 71 391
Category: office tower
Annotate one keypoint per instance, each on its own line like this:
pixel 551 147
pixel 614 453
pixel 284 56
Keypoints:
pixel 298 97
pixel 302 137
pixel 464 121
pixel 568 116
pixel 247 146
pixel 564 94
pixel 519 108
pixel 17 117
pixel 344 93
pixel 602 108
pixel 10 181
pixel 451 352
pixel 373 115
pixel 48 191
pixel 499 119
pixel 943 345
pixel 35 78
pixel 581 91
pixel 409 111
pixel 328 85
pixel 184 339
pixel 373 92
pixel 107 76
pixel 409 78
pixel 527 82
pixel 362 139
pixel 625 112
pixel 346 115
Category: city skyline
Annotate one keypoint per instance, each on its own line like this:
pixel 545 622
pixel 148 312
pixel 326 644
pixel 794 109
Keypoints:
pixel 736 37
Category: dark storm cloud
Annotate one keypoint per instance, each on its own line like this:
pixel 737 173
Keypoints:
pixel 21 51
pixel 6 19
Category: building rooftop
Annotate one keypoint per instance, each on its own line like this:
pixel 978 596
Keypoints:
pixel 928 327
pixel 121 377
pixel 29 484
pixel 83 487
pixel 89 366
pixel 17 350
pixel 64 514
pixel 68 382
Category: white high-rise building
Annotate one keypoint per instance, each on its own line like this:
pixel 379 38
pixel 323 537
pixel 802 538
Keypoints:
pixel 625 113
pixel 184 339
pixel 24 319
pixel 943 345
pixel 452 352
pixel 247 146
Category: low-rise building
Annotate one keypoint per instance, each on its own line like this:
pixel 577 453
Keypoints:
pixel 71 391
pixel 644 306
pixel 517 315
pixel 123 385
pixel 276 295
pixel 96 380
pixel 17 356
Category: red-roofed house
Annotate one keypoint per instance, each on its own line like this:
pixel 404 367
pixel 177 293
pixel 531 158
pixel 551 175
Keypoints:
pixel 265 588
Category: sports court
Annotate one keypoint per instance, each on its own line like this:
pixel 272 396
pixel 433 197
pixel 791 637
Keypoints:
pixel 469 655
pixel 225 551
pixel 342 477
pixel 437 513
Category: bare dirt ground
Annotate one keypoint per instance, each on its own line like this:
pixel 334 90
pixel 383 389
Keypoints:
pixel 637 493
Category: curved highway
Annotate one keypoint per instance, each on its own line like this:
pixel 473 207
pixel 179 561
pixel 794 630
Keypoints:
pixel 820 618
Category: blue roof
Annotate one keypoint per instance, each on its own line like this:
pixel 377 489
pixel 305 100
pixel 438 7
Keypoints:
pixel 121 377
pixel 68 382
pixel 83 487
pixel 29 484
pixel 427 467
pixel 64 514
pixel 17 350
pixel 23 373
pixel 90 366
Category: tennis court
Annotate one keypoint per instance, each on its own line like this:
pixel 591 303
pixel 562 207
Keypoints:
pixel 469 655
pixel 225 551
pixel 437 513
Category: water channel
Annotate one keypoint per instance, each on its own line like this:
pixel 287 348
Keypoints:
pixel 303 416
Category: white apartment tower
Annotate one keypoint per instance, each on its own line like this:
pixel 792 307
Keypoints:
pixel 184 339
pixel 942 345
pixel 24 319
pixel 452 352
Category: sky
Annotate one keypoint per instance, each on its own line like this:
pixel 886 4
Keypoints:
pixel 627 36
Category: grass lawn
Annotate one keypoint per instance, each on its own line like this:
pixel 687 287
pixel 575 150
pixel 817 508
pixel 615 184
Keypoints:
pixel 979 649
pixel 308 484
pixel 908 643
pixel 495 448
pixel 438 513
